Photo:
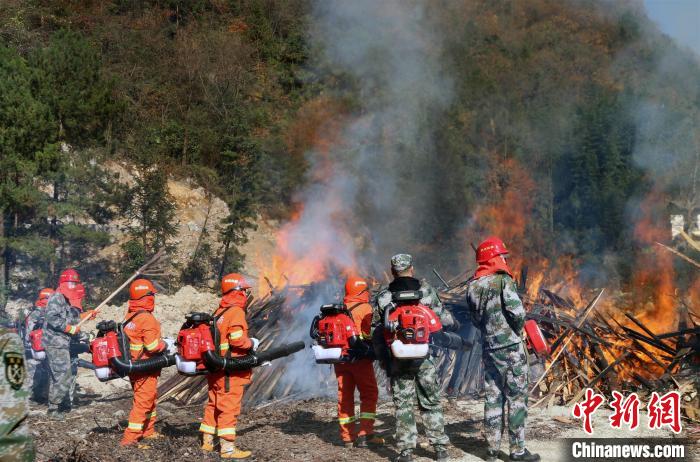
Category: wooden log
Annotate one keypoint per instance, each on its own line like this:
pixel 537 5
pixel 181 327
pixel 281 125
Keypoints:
pixel 644 328
pixel 585 314
pixel 681 255
pixel 594 381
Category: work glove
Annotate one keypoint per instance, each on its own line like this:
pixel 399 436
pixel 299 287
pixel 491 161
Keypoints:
pixel 255 343
pixel 171 348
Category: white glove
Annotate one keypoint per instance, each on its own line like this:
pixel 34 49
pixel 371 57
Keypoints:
pixel 255 342
pixel 171 347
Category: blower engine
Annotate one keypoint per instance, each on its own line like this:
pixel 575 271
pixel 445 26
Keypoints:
pixel 35 338
pixel 408 325
pixel 194 339
pixel 110 354
pixel 335 332
pixel 197 344
pixel 536 339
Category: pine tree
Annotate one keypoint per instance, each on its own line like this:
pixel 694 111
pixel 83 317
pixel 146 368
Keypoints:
pixel 25 133
pixel 151 212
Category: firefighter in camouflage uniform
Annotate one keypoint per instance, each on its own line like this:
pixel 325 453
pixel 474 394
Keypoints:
pixel 411 379
pixel 60 324
pixel 497 311
pixel 37 370
pixel 15 438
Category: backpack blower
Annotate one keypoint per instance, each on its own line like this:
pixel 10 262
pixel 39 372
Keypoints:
pixel 111 358
pixel 197 345
pixel 36 341
pixel 410 327
pixel 335 334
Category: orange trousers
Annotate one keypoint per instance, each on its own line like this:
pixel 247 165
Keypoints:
pixel 142 417
pixel 358 375
pixel 224 407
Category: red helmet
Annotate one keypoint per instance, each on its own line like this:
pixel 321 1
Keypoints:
pixel 43 297
pixel 141 288
pixel 69 275
pixel 490 248
pixel 233 281
pixel 355 286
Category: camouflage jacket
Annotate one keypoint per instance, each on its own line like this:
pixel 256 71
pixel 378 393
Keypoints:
pixel 430 299
pixel 59 318
pixel 15 439
pixel 496 310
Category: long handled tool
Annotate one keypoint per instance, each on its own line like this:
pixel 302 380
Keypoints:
pixel 138 272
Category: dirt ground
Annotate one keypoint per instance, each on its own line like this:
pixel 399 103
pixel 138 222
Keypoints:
pixel 300 430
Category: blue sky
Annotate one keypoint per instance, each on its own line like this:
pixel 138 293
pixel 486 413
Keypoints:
pixel 679 19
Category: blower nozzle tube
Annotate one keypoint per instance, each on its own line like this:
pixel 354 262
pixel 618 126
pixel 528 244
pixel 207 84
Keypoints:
pixel 449 340
pixel 214 361
pixel 124 368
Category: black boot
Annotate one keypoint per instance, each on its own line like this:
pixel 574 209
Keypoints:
pixel 405 456
pixel 441 453
pixel 526 456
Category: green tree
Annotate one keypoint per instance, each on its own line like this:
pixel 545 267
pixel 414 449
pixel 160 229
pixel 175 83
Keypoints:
pixel 25 133
pixel 150 210
pixel 69 79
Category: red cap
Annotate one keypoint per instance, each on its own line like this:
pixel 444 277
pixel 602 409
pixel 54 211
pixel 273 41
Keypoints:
pixel 491 247
pixel 69 275
pixel 233 281
pixel 141 288
pixel 354 286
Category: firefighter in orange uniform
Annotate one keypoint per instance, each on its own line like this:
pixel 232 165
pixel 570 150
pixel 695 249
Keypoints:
pixel 226 389
pixel 143 330
pixel 358 374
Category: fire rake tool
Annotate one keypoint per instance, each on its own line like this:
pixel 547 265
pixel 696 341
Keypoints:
pixel 155 259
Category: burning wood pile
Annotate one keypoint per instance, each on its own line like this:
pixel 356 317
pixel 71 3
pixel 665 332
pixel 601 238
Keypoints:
pixel 593 345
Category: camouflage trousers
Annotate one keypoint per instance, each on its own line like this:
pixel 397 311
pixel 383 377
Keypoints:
pixel 424 386
pixel 505 384
pixel 61 375
pixel 37 379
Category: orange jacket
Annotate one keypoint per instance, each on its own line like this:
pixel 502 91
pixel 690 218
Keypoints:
pixel 361 312
pixel 144 335
pixel 233 328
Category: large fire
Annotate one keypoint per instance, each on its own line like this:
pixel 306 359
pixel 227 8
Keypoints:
pixel 307 253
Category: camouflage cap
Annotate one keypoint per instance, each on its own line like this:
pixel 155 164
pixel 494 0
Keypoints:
pixel 401 262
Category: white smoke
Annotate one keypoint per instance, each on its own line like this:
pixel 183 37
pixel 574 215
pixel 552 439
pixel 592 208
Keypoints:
pixel 374 193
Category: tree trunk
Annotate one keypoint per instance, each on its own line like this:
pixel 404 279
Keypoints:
pixel 3 263
pixel 204 230
pixel 224 257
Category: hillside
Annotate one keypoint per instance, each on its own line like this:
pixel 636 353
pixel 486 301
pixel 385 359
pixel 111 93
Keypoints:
pixel 564 126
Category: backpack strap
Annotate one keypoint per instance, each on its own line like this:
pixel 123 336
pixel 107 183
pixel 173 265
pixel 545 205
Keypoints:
pixel 215 330
pixel 216 336
pixel 123 324
pixel 132 318
pixel 355 306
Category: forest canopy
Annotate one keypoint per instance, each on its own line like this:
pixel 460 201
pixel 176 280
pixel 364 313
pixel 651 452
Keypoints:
pixel 578 115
